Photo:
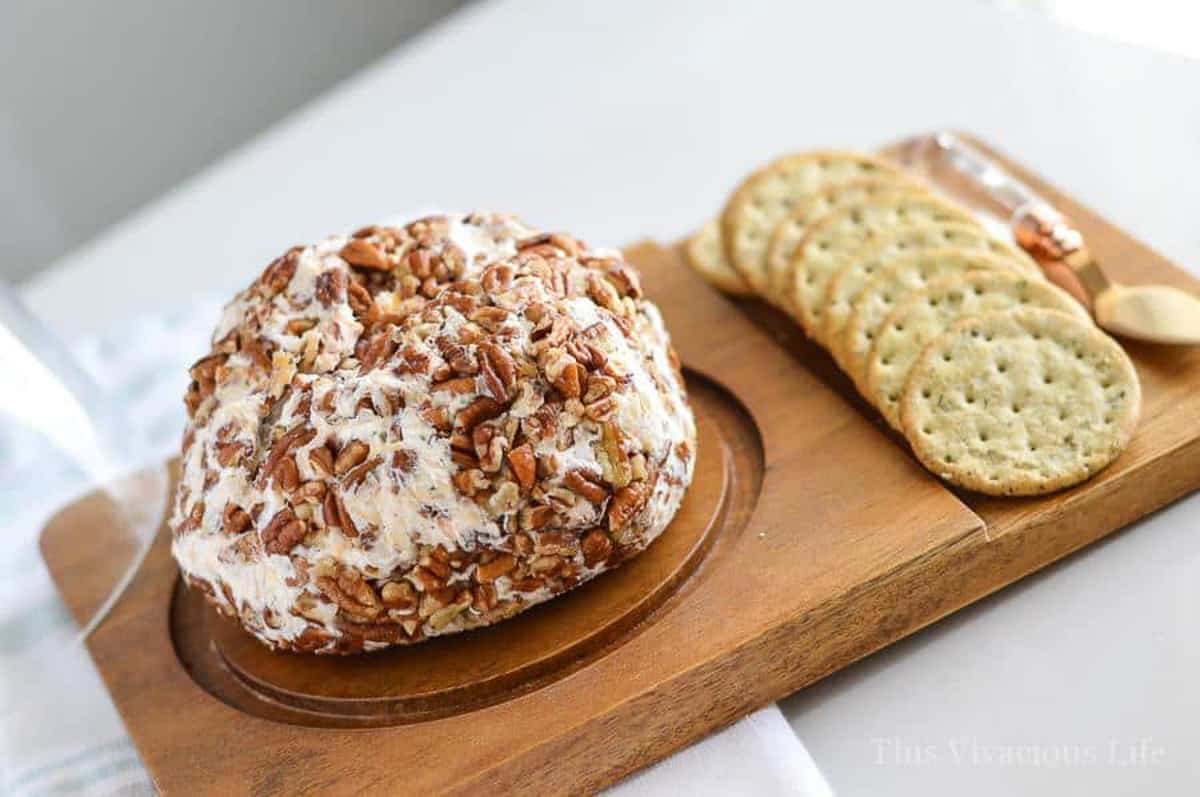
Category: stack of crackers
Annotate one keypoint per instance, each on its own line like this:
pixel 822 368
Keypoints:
pixel 999 380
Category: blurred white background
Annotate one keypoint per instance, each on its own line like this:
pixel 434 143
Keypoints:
pixel 106 105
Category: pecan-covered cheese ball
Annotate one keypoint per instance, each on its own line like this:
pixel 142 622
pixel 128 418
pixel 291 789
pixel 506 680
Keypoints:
pixel 419 430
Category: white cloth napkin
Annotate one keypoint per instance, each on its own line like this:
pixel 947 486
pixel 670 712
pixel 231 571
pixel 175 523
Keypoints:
pixel 59 732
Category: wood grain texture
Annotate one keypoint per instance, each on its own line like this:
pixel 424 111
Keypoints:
pixel 848 547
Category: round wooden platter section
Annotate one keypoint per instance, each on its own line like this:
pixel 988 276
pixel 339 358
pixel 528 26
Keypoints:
pixel 458 673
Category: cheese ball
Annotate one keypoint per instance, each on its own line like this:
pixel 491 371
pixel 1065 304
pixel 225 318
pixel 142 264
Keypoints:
pixel 418 430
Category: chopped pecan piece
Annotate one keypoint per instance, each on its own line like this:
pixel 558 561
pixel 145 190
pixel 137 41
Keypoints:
pixel 626 280
pixel 279 273
pixel 490 447
pixel 311 491
pixel 536 517
pixel 230 454
pixel 284 532
pixel 331 286
pixel 567 375
pixel 484 598
pixel 352 454
pixel 469 481
pixel 602 292
pixel 460 360
pixel 292 439
pixel 399 595
pixel 412 361
pixel 480 410
pixel 626 503
pixel 298 326
pixel 596 546
pixel 505 499
pixel 355 475
pixel 544 565
pixel 523 463
pixel 403 460
pixel 359 298
pixel 351 593
pixel 321 459
pixel 234 519
pixel 497 278
pixel 364 254
pixel 586 485
pixel 287 476
pixel 378 349
pixel 436 417
pixel 335 513
pixel 503 564
pixel 490 318
pixel 499 370
pixel 461 386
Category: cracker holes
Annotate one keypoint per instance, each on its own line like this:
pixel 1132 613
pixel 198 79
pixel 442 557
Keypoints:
pixel 1002 367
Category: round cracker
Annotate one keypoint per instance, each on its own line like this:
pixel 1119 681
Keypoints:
pixel 904 276
pixel 923 316
pixel 1022 402
pixel 787 236
pixel 706 255
pixel 841 237
pixel 846 285
pixel 765 198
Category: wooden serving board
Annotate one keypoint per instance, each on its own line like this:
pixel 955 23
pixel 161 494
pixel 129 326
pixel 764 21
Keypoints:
pixel 809 539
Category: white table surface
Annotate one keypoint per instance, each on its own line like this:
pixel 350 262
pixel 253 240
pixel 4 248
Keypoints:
pixel 625 119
